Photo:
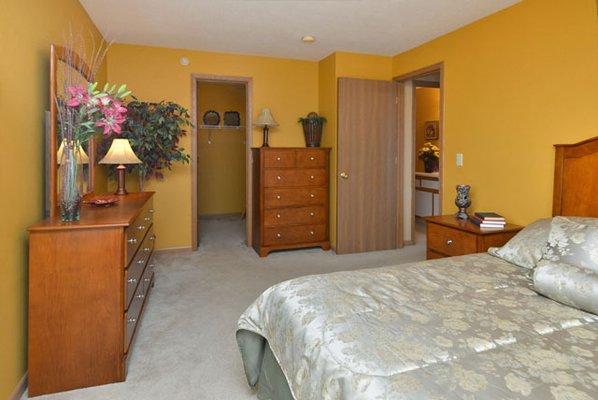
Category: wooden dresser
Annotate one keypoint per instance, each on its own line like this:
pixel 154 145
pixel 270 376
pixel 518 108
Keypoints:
pixel 290 198
pixel 447 236
pixel 88 284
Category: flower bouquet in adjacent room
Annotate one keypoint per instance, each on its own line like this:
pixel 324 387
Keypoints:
pixel 430 155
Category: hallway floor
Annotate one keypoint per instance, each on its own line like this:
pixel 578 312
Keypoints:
pixel 186 348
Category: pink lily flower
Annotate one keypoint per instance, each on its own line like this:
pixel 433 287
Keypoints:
pixel 79 95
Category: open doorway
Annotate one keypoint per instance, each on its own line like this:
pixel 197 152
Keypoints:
pixel 423 148
pixel 221 183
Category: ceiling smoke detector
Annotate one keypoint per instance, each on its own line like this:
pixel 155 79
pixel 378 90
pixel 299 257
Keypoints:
pixel 308 39
pixel 184 60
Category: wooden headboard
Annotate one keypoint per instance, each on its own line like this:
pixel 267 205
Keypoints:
pixel 576 179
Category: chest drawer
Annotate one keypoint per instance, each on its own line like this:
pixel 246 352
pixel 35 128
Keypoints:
pixel 133 314
pixel 135 233
pixel 295 177
pixel 136 267
pixel 311 158
pixel 274 198
pixel 295 216
pixel 451 242
pixel 294 234
pixel 279 158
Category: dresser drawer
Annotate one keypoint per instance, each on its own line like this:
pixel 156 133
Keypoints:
pixel 311 158
pixel 279 158
pixel 137 265
pixel 135 233
pixel 134 313
pixel 295 234
pixel 275 198
pixel 295 177
pixel 295 216
pixel 452 242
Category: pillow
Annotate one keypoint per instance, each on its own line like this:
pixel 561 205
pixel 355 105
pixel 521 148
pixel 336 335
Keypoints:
pixel 573 241
pixel 525 248
pixel 568 284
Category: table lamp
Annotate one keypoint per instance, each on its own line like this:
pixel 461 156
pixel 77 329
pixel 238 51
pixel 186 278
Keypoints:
pixel 120 153
pixel 266 120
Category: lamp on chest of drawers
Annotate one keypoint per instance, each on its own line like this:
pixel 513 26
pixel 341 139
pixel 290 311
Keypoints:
pixel 265 120
pixel 120 153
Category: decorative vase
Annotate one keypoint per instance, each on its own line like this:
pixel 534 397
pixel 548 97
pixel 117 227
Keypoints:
pixel 431 165
pixel 70 173
pixel 463 201
pixel 312 129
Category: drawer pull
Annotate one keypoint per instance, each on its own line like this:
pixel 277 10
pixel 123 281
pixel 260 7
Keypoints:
pixel 312 195
pixel 312 233
pixel 132 280
pixel 279 177
pixel 312 158
pixel 152 265
pixel 146 279
pixel 277 158
pixel 277 215
pixel 141 227
pixel 278 235
pixel 449 242
pixel 311 214
pixel 146 249
pixel 142 261
pixel 140 296
pixel 278 197
pixel 132 240
pixel 152 238
pixel 151 210
pixel 311 177
pixel 147 219
pixel 131 320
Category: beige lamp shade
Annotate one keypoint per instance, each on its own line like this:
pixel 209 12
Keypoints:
pixel 82 157
pixel 265 118
pixel 120 152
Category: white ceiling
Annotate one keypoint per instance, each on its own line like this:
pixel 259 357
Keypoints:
pixel 274 27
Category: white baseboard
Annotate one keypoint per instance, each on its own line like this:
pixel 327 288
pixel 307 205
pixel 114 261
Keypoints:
pixel 20 389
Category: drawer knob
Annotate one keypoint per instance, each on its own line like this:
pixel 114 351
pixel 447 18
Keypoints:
pixel 449 242
pixel 279 177
pixel 152 265
pixel 311 214
pixel 152 238
pixel 141 227
pixel 312 233
pixel 312 195
pixel 140 296
pixel 277 158
pixel 146 279
pixel 278 235
pixel 141 261
pixel 278 196
pixel 151 210
pixel 131 320
pixel 146 249
pixel 277 215
pixel 132 240
pixel 147 219
pixel 312 158
pixel 311 177
pixel 132 280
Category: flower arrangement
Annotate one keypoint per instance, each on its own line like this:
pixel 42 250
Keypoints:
pixel 430 155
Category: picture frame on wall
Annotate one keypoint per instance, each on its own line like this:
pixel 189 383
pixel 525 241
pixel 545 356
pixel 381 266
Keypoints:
pixel 431 129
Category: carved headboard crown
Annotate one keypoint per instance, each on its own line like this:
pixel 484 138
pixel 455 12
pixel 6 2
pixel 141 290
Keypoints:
pixel 576 179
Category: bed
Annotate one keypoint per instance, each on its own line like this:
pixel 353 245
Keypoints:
pixel 470 327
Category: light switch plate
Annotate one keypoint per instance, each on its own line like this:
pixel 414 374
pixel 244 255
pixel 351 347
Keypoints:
pixel 459 159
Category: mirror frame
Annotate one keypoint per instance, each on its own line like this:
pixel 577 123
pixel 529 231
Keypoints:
pixel 74 61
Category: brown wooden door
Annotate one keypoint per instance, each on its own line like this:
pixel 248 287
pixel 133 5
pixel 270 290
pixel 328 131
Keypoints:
pixel 367 175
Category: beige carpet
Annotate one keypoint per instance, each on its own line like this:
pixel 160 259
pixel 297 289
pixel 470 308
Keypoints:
pixel 186 347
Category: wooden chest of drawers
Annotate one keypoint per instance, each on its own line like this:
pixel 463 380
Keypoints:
pixel 88 284
pixel 290 198
pixel 447 236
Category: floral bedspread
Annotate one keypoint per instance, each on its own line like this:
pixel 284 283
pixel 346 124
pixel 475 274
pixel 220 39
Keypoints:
pixel 458 328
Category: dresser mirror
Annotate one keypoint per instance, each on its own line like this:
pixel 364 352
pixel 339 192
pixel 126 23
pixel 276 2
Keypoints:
pixel 67 69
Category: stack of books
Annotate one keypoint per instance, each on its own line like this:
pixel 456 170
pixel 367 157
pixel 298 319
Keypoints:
pixel 488 220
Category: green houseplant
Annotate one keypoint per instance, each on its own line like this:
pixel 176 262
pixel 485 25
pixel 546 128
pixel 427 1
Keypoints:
pixel 154 131
pixel 312 129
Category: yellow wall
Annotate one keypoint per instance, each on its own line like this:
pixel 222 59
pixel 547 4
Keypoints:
pixel 343 65
pixel 516 82
pixel 288 87
pixel 427 108
pixel 27 28
pixel 221 153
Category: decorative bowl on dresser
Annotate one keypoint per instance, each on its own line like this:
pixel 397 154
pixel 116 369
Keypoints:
pixel 448 236
pixel 290 198
pixel 88 284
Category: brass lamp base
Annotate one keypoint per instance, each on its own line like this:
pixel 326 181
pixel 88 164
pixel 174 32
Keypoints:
pixel 120 171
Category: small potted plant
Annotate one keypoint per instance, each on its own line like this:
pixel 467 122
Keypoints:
pixel 430 155
pixel 312 129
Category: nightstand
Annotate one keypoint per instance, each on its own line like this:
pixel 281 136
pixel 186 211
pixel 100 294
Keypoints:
pixel 447 236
